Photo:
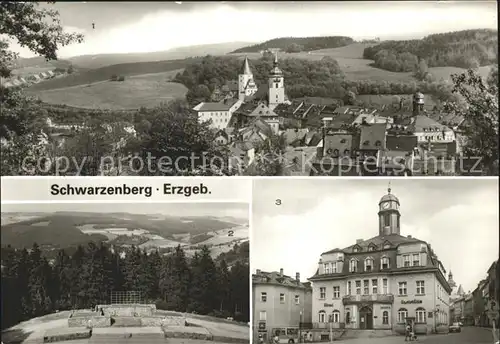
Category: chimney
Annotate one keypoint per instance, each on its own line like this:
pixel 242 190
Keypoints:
pixel 359 241
pixel 409 236
pixel 257 272
pixel 297 276
pixel 281 272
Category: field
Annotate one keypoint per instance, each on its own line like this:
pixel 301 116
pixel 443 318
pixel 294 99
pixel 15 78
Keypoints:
pixel 350 59
pixel 136 91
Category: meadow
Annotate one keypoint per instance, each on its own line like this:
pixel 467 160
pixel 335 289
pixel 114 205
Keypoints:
pixel 137 91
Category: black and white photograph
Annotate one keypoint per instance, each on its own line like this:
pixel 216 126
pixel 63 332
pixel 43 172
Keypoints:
pixel 125 273
pixel 222 88
pixel 375 261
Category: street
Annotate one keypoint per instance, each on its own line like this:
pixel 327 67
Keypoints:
pixel 469 335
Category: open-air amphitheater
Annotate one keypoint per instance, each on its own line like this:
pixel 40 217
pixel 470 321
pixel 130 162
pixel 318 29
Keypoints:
pixel 128 320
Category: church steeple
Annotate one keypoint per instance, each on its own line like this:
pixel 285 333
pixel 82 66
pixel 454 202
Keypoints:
pixel 246 83
pixel 245 68
pixel 389 215
pixel 276 85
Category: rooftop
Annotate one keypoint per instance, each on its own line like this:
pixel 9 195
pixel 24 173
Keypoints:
pixel 276 277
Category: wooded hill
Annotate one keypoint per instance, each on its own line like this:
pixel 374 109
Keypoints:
pixel 464 49
pixel 298 44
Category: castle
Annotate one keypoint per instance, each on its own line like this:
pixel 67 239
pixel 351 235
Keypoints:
pixel 238 103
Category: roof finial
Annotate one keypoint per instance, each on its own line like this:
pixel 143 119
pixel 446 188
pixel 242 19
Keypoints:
pixel 389 187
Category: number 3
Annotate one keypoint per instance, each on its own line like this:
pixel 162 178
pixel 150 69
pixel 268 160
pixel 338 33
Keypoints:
pixel 278 202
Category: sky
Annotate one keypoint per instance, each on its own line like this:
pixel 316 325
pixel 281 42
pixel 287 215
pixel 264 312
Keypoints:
pixel 458 217
pixel 125 27
pixel 238 210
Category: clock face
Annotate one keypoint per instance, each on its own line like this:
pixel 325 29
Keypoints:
pixel 386 205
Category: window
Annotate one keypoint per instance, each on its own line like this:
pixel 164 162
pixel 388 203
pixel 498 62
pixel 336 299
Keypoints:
pixel 322 293
pixel 378 143
pixel 398 221
pixel 387 220
pixel 263 297
pixel 282 298
pixel 277 85
pixel 346 152
pixel 322 317
pixel 326 268
pixel 297 299
pixel 368 264
pixel 416 259
pixel 384 263
pixel 406 260
pixel 385 318
pixel 402 314
pixel 262 316
pixel 348 317
pixel 366 287
pixel 420 287
pixel 334 268
pixel 353 265
pixel 402 288
pixel 358 287
pixel 374 286
pixel 385 289
pixel 335 152
pixel 370 248
pixel 355 249
pixel 336 292
pixel 349 285
pixel 336 316
pixel 420 313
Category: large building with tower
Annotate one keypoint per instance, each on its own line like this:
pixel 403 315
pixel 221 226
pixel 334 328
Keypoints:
pixel 280 303
pixel 381 283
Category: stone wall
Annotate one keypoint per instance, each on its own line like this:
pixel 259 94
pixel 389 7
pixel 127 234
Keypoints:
pixel 163 321
pixel 79 320
pixel 128 310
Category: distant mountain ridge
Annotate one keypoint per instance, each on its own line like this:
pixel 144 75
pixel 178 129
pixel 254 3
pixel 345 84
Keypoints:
pixel 64 229
pixel 298 43
pixel 103 60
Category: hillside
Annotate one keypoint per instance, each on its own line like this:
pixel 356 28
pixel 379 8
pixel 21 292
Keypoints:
pixel 297 44
pixel 41 62
pixel 63 229
pixel 105 73
pixel 103 60
pixel 463 49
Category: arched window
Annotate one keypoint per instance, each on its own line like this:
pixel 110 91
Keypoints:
pixel 322 316
pixel 348 317
pixel 402 315
pixel 384 262
pixel 336 316
pixel 353 265
pixel 369 264
pixel 385 318
pixel 420 316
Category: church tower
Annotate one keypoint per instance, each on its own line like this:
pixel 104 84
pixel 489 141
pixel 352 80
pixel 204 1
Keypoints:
pixel 389 215
pixel 276 85
pixel 246 83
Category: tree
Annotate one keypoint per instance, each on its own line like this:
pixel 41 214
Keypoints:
pixel 479 108
pixel 422 70
pixel 269 160
pixel 350 98
pixel 39 30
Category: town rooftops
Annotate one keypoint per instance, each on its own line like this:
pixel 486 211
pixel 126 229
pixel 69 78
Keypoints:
pixel 424 123
pixel 379 241
pixel 401 142
pixel 373 136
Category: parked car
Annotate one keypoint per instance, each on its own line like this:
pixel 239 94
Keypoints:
pixel 455 327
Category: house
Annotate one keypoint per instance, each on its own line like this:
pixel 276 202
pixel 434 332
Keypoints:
pixel 242 154
pixel 222 137
pixel 263 112
pixel 218 113
pixel 257 132
pixel 295 137
pixel 298 161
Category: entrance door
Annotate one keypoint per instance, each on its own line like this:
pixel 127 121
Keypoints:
pixel 366 318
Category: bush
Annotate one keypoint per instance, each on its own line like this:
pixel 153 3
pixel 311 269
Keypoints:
pixel 114 77
pixel 121 78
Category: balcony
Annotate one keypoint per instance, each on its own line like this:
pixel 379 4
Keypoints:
pixel 379 298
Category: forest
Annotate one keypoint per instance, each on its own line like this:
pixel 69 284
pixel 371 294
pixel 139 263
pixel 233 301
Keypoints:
pixel 463 49
pixel 303 78
pixel 297 44
pixel 33 285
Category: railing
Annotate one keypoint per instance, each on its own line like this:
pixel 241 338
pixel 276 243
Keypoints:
pixel 382 298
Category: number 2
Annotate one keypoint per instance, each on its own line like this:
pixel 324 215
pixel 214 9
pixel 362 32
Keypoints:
pixel 230 233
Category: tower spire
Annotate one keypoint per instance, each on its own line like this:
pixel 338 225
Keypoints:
pixel 245 69
pixel 389 188
pixel 276 58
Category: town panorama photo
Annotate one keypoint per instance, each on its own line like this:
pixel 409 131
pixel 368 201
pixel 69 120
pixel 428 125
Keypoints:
pixel 249 88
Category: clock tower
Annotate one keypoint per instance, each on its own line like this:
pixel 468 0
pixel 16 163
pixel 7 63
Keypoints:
pixel 389 215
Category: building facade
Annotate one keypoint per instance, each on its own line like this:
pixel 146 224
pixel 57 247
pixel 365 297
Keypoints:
pixel 381 283
pixel 279 302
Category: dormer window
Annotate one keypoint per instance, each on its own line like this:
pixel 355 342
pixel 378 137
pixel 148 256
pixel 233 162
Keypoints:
pixel 372 247
pixel 326 268
pixel 378 143
pixel 353 265
pixel 384 263
pixel 346 152
pixel 366 143
pixel 369 264
pixel 335 152
pixel 342 141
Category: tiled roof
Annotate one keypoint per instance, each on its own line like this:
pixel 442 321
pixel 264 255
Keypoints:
pixel 245 67
pixel 373 136
pixel 401 142
pixel 292 135
pixel 394 239
pixel 277 278
pixel 220 106
pixel 425 123
pixel 263 111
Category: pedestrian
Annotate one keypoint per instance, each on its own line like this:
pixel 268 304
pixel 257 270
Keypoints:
pixel 407 332
pixel 276 338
